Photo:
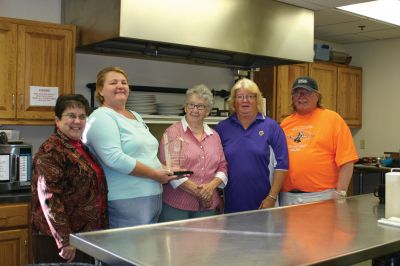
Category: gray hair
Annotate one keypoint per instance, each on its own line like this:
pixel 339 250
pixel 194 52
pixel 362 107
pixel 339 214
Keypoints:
pixel 203 92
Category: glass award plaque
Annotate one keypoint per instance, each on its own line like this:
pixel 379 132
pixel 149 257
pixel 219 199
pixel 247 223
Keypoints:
pixel 174 156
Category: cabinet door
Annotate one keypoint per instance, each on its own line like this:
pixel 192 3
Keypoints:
pixel 14 247
pixel 326 77
pixel 286 75
pixel 349 98
pixel 8 69
pixel 45 58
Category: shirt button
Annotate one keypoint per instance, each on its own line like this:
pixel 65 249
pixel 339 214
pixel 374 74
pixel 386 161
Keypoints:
pixel 202 168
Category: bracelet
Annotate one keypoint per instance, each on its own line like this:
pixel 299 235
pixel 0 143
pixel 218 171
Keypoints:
pixel 272 197
pixel 341 193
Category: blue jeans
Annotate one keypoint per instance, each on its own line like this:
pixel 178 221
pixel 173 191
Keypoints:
pixel 169 213
pixel 135 211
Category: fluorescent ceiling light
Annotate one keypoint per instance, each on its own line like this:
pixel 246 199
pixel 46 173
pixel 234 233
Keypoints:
pixel 383 10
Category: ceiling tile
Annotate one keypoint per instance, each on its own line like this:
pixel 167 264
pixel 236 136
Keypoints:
pixel 336 3
pixel 334 25
pixel 346 38
pixel 333 16
pixel 350 27
pixel 382 34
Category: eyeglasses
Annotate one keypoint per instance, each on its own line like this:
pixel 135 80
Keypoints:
pixel 199 107
pixel 249 97
pixel 304 93
pixel 73 117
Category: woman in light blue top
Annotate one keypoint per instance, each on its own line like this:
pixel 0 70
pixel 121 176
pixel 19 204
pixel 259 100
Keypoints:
pixel 128 153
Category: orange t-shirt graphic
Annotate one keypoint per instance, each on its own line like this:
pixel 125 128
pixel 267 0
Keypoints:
pixel 319 143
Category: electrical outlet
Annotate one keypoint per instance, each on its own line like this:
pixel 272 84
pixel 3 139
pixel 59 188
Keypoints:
pixel 362 144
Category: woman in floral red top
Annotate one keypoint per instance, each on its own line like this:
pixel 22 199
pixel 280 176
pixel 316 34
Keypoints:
pixel 69 189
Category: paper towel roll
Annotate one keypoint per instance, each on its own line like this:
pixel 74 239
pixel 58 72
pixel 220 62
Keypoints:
pixel 392 194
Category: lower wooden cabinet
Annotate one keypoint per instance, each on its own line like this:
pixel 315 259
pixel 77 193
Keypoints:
pixel 14 247
pixel 15 242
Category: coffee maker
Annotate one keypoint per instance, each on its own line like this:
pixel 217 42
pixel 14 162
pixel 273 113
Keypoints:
pixel 15 167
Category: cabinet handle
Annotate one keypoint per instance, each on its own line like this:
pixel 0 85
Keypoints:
pixel 21 100
pixel 25 242
pixel 13 101
pixel 3 221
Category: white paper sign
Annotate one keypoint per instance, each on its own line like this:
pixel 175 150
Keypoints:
pixel 4 167
pixel 43 96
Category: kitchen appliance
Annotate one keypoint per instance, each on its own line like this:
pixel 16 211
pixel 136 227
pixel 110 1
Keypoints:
pixel 15 167
pixel 230 33
pixel 12 134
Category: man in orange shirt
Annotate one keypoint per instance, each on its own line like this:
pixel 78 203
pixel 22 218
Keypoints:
pixel 321 149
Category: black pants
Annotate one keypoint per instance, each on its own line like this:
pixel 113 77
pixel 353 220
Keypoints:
pixel 45 251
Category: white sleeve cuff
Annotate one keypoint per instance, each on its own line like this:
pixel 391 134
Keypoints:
pixel 176 183
pixel 223 177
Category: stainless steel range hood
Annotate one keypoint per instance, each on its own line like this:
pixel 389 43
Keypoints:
pixel 232 33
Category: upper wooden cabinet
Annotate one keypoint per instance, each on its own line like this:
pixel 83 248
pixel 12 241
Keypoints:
pixel 33 54
pixel 339 85
pixel 349 95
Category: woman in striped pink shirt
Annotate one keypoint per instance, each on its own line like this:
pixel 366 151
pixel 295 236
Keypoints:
pixel 200 150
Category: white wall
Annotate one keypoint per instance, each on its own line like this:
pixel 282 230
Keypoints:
pixel 140 72
pixel 380 61
pixel 41 10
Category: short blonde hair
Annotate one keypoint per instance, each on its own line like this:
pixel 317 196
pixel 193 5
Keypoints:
pixel 249 85
pixel 101 77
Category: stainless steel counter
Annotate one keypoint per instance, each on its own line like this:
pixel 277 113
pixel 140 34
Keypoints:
pixel 330 232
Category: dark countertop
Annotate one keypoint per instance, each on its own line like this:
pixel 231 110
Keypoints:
pixel 372 168
pixel 16 197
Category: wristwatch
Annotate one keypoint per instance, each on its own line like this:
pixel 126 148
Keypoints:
pixel 341 193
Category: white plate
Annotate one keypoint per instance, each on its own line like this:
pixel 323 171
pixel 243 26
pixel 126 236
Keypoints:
pixel 141 97
pixel 141 101
pixel 142 104
pixel 169 109
pixel 169 113
pixel 141 109
pixel 170 105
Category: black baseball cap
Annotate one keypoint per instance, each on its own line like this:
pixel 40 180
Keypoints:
pixel 305 83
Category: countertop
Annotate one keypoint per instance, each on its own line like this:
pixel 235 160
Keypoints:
pixel 372 168
pixel 16 197
pixel 329 232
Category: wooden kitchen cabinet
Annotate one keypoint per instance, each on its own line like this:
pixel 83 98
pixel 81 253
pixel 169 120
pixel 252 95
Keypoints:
pixel 33 54
pixel 285 76
pixel 14 234
pixel 349 95
pixel 339 85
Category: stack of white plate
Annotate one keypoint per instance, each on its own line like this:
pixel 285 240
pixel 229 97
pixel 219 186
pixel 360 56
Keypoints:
pixel 142 103
pixel 169 109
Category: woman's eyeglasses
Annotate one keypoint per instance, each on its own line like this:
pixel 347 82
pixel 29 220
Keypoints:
pixel 73 117
pixel 248 97
pixel 199 107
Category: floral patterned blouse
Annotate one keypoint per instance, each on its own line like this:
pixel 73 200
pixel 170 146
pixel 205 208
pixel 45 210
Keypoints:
pixel 68 196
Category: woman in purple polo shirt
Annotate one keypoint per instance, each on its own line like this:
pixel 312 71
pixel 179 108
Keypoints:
pixel 256 150
pixel 199 150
